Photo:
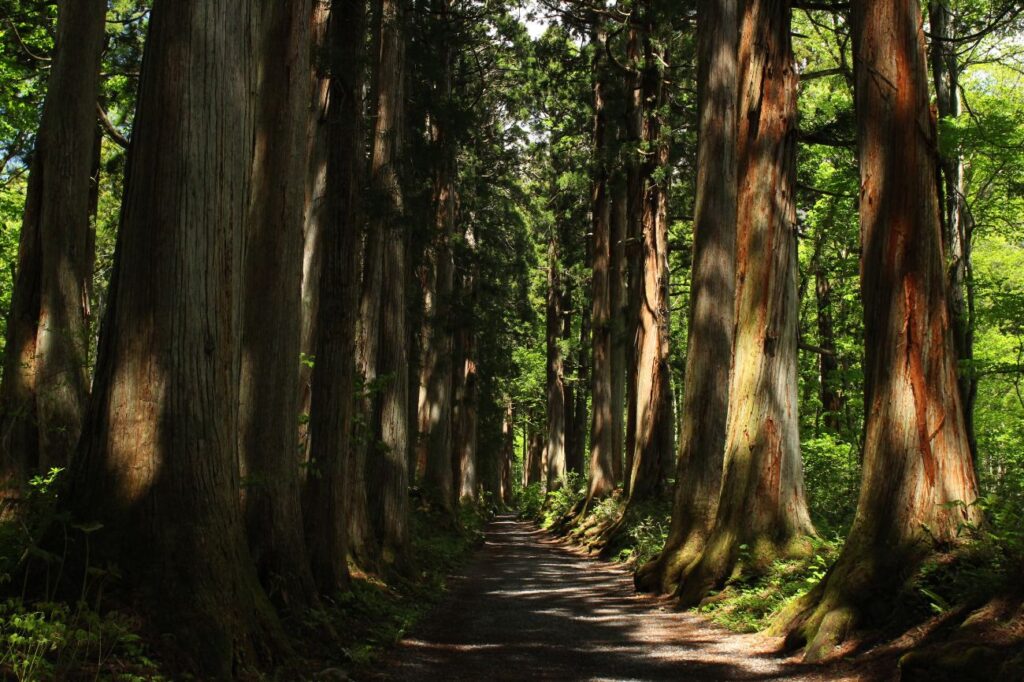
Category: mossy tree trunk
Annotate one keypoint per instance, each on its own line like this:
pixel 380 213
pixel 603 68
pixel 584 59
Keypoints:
pixel 709 352
pixel 762 503
pixel 917 473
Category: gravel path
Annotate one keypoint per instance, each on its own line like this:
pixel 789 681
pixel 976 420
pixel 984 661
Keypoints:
pixel 530 608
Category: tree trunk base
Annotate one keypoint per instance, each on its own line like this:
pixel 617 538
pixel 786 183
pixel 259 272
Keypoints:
pixel 859 590
pixel 722 556
pixel 664 573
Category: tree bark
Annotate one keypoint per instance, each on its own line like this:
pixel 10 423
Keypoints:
pixel 555 470
pixel 435 393
pixel 332 402
pixel 956 218
pixel 508 443
pixel 647 476
pixel 271 322
pixel 632 249
pixel 158 462
pixel 466 413
pixel 617 323
pixel 316 189
pixel 388 468
pixel 45 382
pixel 712 300
pixel 918 479
pixel 602 470
pixel 762 503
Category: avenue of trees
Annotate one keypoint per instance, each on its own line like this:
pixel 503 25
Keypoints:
pixel 280 272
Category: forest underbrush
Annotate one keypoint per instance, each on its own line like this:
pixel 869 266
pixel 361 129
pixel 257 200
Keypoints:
pixel 91 631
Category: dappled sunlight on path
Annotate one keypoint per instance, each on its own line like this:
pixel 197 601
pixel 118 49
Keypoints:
pixel 529 608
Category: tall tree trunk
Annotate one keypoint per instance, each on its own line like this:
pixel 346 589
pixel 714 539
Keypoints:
pixel 158 463
pixel 602 470
pixel 957 222
pixel 632 248
pixel 712 300
pixel 435 394
pixel 316 189
pixel 647 476
pixel 508 443
pixel 272 319
pixel 536 469
pixel 617 322
pixel 466 414
pixel 555 470
pixel 576 403
pixel 831 394
pixel 917 476
pixel 389 466
pixel 762 503
pixel 332 403
pixel 45 376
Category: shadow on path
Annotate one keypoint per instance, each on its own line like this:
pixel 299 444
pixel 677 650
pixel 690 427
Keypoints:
pixel 528 608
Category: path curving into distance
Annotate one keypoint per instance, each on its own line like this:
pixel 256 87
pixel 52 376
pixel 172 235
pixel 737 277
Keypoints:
pixel 530 608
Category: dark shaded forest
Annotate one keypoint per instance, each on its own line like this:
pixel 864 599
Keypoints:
pixel 307 299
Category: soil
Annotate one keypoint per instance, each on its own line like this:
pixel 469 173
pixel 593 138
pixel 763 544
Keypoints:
pixel 530 607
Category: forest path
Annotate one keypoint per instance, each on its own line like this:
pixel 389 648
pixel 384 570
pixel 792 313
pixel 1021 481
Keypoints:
pixel 531 608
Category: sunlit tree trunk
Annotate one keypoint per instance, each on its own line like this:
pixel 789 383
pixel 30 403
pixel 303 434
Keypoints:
pixel 435 389
pixel 712 299
pixel 653 393
pixel 617 322
pixel 918 476
pixel 466 413
pixel 555 467
pixel 957 221
pixel 333 382
pixel 158 463
pixel 271 322
pixel 762 502
pixel 388 466
pixel 632 242
pixel 507 453
pixel 316 181
pixel 45 381
pixel 602 471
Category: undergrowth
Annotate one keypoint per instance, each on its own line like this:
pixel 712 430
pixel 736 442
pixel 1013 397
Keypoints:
pixel 46 636
pixel 752 598
pixel 42 637
pixel 376 613
pixel 629 533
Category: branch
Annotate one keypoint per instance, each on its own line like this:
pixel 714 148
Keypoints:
pixel 112 132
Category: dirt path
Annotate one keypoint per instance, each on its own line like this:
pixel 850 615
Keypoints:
pixel 529 608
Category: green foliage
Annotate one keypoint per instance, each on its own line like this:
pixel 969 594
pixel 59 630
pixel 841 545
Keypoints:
pixel 374 614
pixel 832 478
pixel 752 598
pixel 47 639
pixel 646 527
pixel 559 502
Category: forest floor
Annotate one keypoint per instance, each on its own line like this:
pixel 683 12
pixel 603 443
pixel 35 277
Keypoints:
pixel 532 607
